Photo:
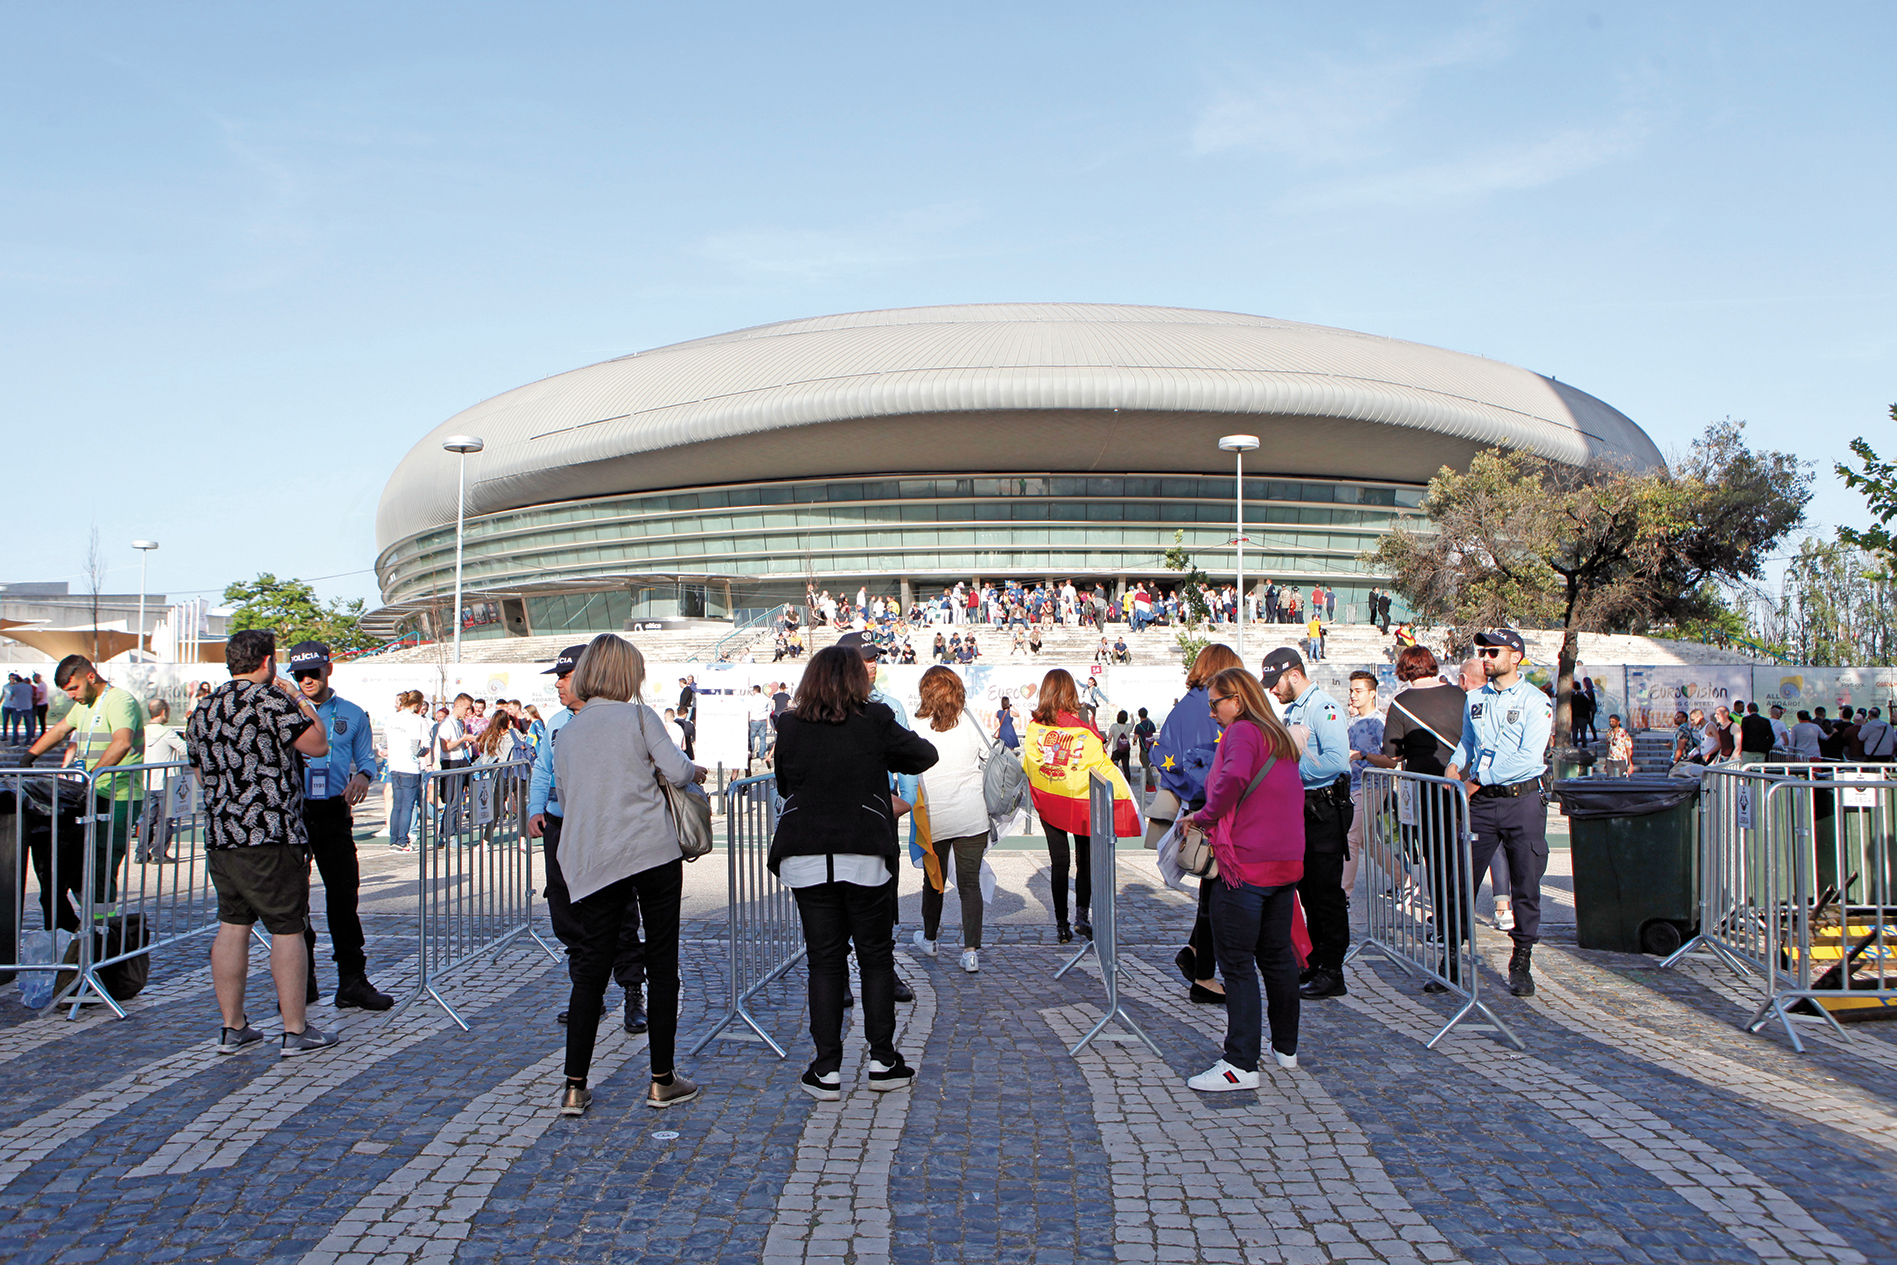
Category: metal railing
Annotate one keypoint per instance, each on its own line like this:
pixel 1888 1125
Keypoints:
pixel 743 628
pixel 1422 915
pixel 1796 887
pixel 764 936
pixel 476 883
pixel 1105 944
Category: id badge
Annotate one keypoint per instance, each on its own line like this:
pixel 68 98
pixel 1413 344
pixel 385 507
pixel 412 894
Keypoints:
pixel 316 781
pixel 1485 760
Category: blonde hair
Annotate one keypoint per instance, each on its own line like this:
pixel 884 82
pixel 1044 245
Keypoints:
pixel 611 668
pixel 1239 684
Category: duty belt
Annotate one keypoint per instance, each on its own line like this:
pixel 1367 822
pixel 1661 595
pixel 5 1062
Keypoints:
pixel 1508 790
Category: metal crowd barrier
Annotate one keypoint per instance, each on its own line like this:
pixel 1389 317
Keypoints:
pixel 765 936
pixel 1105 945
pixel 1797 887
pixel 1417 831
pixel 476 883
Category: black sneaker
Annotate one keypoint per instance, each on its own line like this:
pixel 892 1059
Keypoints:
pixel 885 1077
pixel 825 1088
pixel 1063 934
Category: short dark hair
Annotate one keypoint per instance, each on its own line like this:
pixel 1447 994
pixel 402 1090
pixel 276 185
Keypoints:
pixel 245 652
pixel 1366 676
pixel 1804 717
pixel 69 667
pixel 834 687
pixel 1413 663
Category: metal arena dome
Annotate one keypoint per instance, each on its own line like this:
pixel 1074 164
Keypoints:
pixel 1000 390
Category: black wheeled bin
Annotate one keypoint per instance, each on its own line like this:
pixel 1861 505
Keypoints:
pixel 1636 861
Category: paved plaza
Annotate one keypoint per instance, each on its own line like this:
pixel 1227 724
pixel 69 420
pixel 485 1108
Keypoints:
pixel 1639 1125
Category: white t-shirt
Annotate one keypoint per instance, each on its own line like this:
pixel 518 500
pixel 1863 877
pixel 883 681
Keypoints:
pixel 450 730
pixel 407 734
pixel 757 707
pixel 1781 734
pixel 952 788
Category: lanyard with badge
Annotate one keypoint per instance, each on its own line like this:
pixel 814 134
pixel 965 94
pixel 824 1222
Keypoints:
pixel 316 772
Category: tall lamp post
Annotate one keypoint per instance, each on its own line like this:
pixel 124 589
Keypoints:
pixel 144 548
pixel 1238 446
pixel 462 444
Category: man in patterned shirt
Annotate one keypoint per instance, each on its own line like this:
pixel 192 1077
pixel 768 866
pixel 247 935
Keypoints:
pixel 245 742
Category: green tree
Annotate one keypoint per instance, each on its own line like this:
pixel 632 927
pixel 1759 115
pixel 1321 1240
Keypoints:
pixel 290 609
pixel 1878 482
pixel 1836 608
pixel 1521 540
pixel 1193 609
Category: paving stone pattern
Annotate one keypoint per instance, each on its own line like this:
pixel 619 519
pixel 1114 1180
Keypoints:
pixel 1640 1124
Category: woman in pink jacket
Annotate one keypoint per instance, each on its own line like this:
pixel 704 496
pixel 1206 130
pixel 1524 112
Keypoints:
pixel 1254 813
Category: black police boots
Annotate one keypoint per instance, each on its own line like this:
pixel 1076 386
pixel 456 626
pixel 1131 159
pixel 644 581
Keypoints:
pixel 1521 980
pixel 1322 984
pixel 359 992
pixel 635 1012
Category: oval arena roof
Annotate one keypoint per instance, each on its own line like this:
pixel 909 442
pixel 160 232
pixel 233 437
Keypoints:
pixel 1001 387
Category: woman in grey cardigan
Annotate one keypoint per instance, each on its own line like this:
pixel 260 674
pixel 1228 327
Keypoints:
pixel 617 845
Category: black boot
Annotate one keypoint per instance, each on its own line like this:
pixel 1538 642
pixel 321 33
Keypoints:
pixel 359 992
pixel 1081 925
pixel 1521 980
pixel 1063 934
pixel 635 1012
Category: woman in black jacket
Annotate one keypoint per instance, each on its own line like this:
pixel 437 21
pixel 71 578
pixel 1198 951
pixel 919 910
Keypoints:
pixel 835 847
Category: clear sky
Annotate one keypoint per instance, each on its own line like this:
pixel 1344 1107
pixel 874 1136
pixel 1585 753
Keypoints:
pixel 250 253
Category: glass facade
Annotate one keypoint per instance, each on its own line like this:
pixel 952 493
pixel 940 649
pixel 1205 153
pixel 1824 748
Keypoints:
pixel 770 538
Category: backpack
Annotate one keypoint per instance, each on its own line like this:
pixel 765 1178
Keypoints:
pixel 1004 783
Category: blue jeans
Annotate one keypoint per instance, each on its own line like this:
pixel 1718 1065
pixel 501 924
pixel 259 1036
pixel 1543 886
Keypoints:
pixel 408 793
pixel 1251 934
pixel 760 738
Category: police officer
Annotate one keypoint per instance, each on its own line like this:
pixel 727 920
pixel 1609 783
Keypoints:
pixel 544 819
pixel 332 785
pixel 1324 768
pixel 1501 757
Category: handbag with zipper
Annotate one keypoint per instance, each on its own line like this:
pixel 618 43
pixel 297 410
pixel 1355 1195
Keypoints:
pixel 1195 845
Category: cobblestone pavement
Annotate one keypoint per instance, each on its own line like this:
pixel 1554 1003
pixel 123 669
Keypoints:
pixel 1639 1124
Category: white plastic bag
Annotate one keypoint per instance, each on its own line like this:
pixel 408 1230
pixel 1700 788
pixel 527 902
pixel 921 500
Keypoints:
pixel 1169 860
pixel 987 882
pixel 36 987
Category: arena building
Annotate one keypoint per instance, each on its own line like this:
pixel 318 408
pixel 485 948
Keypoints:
pixel 908 449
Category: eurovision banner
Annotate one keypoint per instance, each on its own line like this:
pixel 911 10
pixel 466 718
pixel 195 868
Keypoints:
pixel 1655 693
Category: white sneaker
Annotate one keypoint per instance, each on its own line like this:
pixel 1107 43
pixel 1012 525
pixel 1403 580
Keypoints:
pixel 1504 916
pixel 925 944
pixel 971 961
pixel 1287 1061
pixel 1222 1078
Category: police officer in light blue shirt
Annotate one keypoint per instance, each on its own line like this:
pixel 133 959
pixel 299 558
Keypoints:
pixel 544 819
pixel 1324 768
pixel 1503 752
pixel 332 785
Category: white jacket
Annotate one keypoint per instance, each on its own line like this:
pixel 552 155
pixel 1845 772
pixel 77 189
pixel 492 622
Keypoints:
pixel 952 789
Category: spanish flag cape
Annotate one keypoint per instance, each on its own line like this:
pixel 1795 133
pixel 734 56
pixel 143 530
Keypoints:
pixel 1058 760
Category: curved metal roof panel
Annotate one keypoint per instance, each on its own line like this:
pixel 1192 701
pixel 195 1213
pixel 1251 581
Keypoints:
pixel 1030 386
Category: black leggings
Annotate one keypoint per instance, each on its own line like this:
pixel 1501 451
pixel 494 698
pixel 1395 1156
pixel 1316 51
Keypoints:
pixel 1057 852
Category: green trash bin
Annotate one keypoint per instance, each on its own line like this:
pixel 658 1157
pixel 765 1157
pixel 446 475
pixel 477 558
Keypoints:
pixel 1634 845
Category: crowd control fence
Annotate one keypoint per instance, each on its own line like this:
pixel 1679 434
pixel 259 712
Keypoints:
pixel 1797 888
pixel 45 828
pixel 764 934
pixel 1105 944
pixel 476 882
pixel 1421 915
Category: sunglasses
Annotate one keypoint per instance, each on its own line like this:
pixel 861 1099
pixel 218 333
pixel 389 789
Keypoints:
pixel 1491 652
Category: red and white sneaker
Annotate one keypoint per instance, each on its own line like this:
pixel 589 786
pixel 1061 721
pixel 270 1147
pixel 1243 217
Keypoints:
pixel 1222 1078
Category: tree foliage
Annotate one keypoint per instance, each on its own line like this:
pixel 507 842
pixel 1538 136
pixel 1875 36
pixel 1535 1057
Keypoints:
pixel 1524 541
pixel 1878 482
pixel 1837 608
pixel 1193 609
pixel 290 609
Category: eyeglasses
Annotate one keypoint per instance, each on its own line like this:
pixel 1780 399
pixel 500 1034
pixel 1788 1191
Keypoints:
pixel 1490 652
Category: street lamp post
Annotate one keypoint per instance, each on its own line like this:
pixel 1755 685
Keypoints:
pixel 1238 446
pixel 144 548
pixel 462 444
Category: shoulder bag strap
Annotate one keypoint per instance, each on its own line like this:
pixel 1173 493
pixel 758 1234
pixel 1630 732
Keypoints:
pixel 1425 724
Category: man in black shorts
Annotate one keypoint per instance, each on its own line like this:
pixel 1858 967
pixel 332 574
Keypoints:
pixel 244 742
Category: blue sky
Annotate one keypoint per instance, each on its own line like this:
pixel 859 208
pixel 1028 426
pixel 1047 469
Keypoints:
pixel 250 253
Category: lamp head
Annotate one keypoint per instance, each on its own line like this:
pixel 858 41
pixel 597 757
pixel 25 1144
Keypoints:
pixel 463 444
pixel 144 544
pixel 1238 443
